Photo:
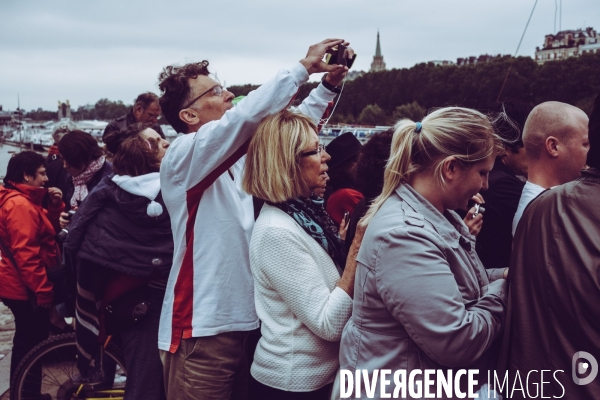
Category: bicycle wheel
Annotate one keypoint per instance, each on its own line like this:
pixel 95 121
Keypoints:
pixel 47 372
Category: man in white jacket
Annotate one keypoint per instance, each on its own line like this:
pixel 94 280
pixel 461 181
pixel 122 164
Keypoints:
pixel 209 304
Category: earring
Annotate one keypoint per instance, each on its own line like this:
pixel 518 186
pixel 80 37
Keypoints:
pixel 26 179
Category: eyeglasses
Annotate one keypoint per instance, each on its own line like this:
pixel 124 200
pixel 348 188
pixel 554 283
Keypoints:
pixel 216 90
pixel 318 150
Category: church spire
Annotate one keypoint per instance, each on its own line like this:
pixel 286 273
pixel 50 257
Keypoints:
pixel 378 49
pixel 377 64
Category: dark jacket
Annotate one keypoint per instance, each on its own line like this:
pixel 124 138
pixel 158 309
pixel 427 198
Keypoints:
pixel 554 283
pixel 494 242
pixel 57 174
pixel 112 229
pixel 98 176
pixel 124 121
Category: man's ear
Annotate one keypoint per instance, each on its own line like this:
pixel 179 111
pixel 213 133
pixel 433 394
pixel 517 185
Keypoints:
pixel 551 146
pixel 137 111
pixel 189 116
pixel 450 168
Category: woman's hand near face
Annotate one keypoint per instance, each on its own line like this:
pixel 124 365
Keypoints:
pixel 55 196
pixel 474 224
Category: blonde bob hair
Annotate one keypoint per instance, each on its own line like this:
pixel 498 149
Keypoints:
pixel 273 170
pixel 464 133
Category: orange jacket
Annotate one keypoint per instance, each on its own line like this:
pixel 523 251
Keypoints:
pixel 26 229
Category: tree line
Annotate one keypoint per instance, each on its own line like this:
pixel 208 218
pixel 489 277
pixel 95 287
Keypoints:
pixel 381 98
pixel 104 110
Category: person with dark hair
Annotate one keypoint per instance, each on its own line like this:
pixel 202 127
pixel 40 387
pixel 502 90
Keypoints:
pixel 494 242
pixel 341 195
pixel 553 318
pixel 146 110
pixel 368 174
pixel 209 313
pixel 121 236
pixel 85 162
pixel 55 168
pixel 28 250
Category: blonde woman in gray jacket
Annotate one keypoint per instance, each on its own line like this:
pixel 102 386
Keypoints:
pixel 423 300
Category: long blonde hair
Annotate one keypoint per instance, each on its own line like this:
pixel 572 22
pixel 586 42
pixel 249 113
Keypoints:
pixel 463 133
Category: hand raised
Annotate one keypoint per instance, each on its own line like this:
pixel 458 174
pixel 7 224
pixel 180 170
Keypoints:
pixel 313 62
pixel 55 196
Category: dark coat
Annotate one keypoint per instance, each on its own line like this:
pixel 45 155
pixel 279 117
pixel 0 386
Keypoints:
pixel 494 242
pixel 112 229
pixel 554 283
pixel 57 176
pixel 124 121
pixel 98 176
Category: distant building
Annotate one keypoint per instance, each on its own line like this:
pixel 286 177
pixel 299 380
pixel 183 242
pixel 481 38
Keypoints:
pixel 441 62
pixel 352 75
pixel 377 64
pixel 482 59
pixel 570 43
pixel 64 110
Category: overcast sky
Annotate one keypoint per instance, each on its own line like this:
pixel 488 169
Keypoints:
pixel 84 50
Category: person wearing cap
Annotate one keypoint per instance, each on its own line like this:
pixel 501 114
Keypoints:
pixel 341 196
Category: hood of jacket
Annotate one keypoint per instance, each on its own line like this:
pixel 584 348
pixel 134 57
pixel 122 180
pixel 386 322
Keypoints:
pixel 33 194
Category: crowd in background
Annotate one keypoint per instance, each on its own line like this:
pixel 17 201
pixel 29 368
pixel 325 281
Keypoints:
pixel 267 261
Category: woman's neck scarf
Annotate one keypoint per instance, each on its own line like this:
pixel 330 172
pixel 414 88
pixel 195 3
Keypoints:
pixel 312 217
pixel 80 181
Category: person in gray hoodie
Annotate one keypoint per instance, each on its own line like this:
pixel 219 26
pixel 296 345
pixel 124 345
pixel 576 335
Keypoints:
pixel 423 300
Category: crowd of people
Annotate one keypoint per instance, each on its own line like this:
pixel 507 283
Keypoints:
pixel 266 262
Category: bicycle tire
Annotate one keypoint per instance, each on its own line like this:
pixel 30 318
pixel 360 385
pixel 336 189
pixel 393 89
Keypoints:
pixel 56 359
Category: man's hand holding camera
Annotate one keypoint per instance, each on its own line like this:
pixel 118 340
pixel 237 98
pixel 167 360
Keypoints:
pixel 313 62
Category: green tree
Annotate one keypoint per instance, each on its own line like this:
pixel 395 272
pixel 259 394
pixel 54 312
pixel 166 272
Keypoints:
pixel 108 110
pixel 373 115
pixel 412 111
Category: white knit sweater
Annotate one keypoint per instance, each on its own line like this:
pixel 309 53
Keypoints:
pixel 303 313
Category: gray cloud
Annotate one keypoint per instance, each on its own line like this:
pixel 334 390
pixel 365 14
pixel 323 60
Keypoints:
pixel 84 51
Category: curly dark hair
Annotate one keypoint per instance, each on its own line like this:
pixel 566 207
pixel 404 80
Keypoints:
pixel 370 167
pixel 79 148
pixel 21 164
pixel 174 84
pixel 508 121
pixel 132 154
pixel 145 100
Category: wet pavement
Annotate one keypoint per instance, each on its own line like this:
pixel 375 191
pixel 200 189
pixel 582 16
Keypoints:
pixel 7 330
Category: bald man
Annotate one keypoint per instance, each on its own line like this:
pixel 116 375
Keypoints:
pixel 556 145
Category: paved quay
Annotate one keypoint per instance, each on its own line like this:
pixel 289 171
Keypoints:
pixel 7 330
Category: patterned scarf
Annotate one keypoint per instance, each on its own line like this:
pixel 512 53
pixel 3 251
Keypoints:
pixel 312 217
pixel 81 190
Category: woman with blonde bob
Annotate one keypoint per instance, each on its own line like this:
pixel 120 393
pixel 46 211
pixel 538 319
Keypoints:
pixel 296 258
pixel 425 300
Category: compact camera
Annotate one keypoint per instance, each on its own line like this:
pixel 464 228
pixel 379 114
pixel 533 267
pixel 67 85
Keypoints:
pixel 62 235
pixel 339 55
